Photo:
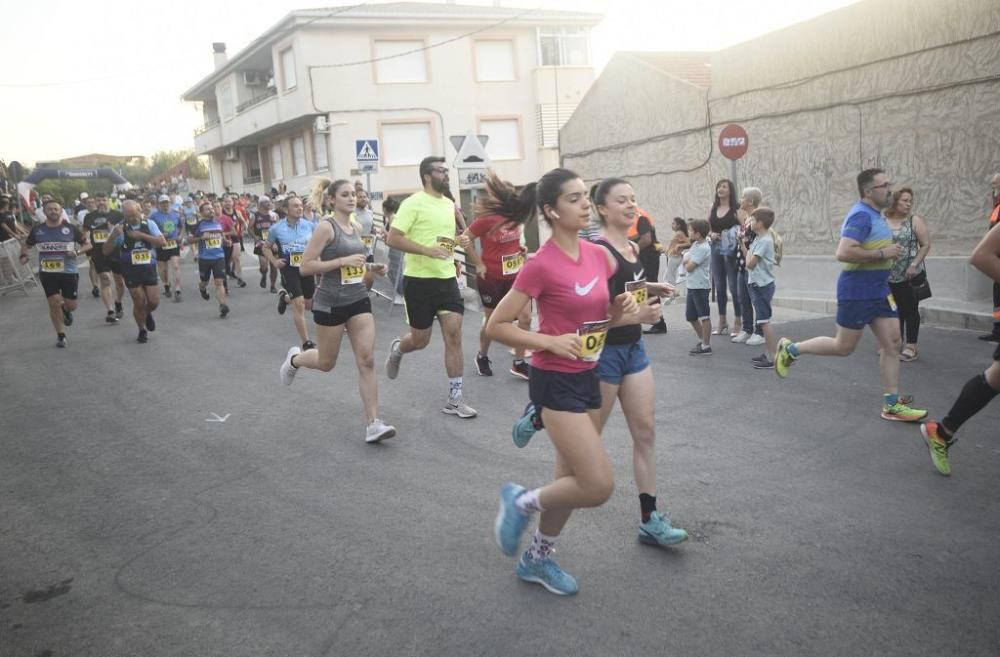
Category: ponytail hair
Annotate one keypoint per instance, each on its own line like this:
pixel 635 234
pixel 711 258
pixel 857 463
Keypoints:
pixel 324 187
pixel 550 187
pixel 502 199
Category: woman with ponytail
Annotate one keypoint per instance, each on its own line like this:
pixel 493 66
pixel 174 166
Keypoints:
pixel 568 278
pixel 500 213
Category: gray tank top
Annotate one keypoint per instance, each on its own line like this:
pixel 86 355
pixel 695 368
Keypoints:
pixel 343 286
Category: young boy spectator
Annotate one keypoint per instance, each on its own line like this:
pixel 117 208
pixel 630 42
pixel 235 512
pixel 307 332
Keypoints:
pixel 696 263
pixel 760 265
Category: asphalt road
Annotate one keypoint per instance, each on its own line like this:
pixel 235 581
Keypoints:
pixel 133 525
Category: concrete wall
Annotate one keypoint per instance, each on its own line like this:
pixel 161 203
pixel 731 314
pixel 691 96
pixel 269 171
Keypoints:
pixel 930 118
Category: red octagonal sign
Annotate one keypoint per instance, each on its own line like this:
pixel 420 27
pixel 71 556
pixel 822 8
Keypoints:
pixel 733 141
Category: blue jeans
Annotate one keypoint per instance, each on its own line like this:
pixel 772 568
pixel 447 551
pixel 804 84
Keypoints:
pixel 746 302
pixel 724 276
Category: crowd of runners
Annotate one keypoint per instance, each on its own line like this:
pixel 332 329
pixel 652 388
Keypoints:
pixel 591 298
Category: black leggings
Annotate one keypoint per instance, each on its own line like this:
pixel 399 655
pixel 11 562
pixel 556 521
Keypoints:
pixel 909 312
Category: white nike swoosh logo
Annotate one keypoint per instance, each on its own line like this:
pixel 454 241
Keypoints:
pixel 585 290
pixel 639 275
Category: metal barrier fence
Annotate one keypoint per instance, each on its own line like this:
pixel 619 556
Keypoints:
pixel 14 275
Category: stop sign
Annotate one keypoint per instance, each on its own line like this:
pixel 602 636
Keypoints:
pixel 733 141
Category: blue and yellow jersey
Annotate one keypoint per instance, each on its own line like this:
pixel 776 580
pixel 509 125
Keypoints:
pixel 867 280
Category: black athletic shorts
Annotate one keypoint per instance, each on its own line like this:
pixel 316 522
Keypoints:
pixel 163 255
pixel 143 276
pixel 64 284
pixel 426 297
pixel 491 290
pixel 211 268
pixel 114 264
pixel 100 262
pixel 296 284
pixel 341 314
pixel 575 392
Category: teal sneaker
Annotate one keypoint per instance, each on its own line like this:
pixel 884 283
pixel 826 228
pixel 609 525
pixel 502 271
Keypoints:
pixel 547 573
pixel 658 531
pixel 510 523
pixel 526 426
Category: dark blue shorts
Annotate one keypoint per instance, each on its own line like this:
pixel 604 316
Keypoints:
pixel 575 392
pixel 761 297
pixel 697 305
pixel 858 314
pixel 620 360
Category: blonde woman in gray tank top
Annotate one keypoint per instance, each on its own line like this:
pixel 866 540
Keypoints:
pixel 336 255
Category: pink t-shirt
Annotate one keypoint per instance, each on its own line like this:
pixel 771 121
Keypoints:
pixel 569 294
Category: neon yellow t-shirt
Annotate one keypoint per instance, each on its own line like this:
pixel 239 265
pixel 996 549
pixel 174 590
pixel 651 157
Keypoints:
pixel 428 221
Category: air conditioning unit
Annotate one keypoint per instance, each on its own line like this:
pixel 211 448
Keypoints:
pixel 232 153
pixel 254 79
pixel 320 124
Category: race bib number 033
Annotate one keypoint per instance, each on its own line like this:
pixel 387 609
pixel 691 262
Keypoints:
pixel 141 257
pixel 638 290
pixel 593 335
pixel 352 275
pixel 511 264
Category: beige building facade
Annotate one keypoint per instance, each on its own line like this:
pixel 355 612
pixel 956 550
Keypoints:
pixel 290 106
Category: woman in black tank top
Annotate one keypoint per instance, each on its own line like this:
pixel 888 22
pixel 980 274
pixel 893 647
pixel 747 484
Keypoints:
pixel 624 368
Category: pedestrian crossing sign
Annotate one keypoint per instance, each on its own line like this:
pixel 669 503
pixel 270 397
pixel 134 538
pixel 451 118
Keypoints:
pixel 366 150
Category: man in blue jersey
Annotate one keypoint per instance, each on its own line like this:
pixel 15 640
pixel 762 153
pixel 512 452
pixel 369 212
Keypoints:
pixel 207 234
pixel 168 257
pixel 136 240
pixel 290 236
pixel 863 297
pixel 58 243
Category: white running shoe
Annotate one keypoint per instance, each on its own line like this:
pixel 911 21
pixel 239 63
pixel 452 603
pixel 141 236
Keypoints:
pixel 394 359
pixel 378 431
pixel 287 371
pixel 459 408
pixel 755 340
pixel 741 338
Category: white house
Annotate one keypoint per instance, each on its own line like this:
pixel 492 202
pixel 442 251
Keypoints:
pixel 291 105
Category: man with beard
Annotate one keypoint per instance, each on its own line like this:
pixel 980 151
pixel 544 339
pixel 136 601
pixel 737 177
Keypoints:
pixel 97 225
pixel 260 227
pixel 136 240
pixel 424 229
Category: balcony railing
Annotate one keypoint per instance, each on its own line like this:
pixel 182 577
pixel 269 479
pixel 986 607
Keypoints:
pixel 211 123
pixel 257 99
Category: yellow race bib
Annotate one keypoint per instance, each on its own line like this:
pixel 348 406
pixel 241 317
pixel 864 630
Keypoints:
pixel 352 275
pixel 99 236
pixel 447 242
pixel 171 244
pixel 593 334
pixel 53 266
pixel 141 258
pixel 511 264
pixel 638 290
pixel 213 243
pixel 295 259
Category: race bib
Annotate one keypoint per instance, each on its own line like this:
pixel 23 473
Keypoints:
pixel 593 334
pixel 295 259
pixel 264 233
pixel 213 243
pixel 892 302
pixel 54 266
pixel 141 257
pixel 99 236
pixel 368 241
pixel 352 275
pixel 171 244
pixel 447 242
pixel 638 290
pixel 511 264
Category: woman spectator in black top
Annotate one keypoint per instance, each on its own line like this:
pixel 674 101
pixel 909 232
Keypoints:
pixel 722 221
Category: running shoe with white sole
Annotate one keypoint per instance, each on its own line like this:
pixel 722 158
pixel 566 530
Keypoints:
pixel 287 372
pixel 658 531
pixel 61 341
pixel 520 369
pixel 764 363
pixel 938 445
pixel 547 573
pixel 282 302
pixel 460 408
pixel 510 523
pixel 783 360
pixel 394 359
pixel 900 412
pixel 741 338
pixel 484 366
pixel 755 340
pixel 526 426
pixel 378 431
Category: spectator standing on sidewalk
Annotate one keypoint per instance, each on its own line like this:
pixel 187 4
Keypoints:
pixel 910 232
pixel 994 335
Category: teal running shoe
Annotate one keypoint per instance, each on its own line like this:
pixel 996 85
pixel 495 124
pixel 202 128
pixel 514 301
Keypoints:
pixel 658 531
pixel 547 573
pixel 526 426
pixel 510 523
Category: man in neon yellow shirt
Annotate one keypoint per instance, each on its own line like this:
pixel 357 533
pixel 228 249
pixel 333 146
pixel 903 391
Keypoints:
pixel 424 229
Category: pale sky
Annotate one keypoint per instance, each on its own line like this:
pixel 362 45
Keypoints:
pixel 106 76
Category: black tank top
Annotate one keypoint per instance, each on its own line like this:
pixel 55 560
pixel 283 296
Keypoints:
pixel 627 273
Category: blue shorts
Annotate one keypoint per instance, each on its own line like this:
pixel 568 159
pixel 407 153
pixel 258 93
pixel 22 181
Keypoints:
pixel 858 314
pixel 761 297
pixel 697 305
pixel 620 360
pixel 575 392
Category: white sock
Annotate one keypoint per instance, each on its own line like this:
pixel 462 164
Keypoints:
pixel 541 547
pixel 528 502
pixel 454 389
